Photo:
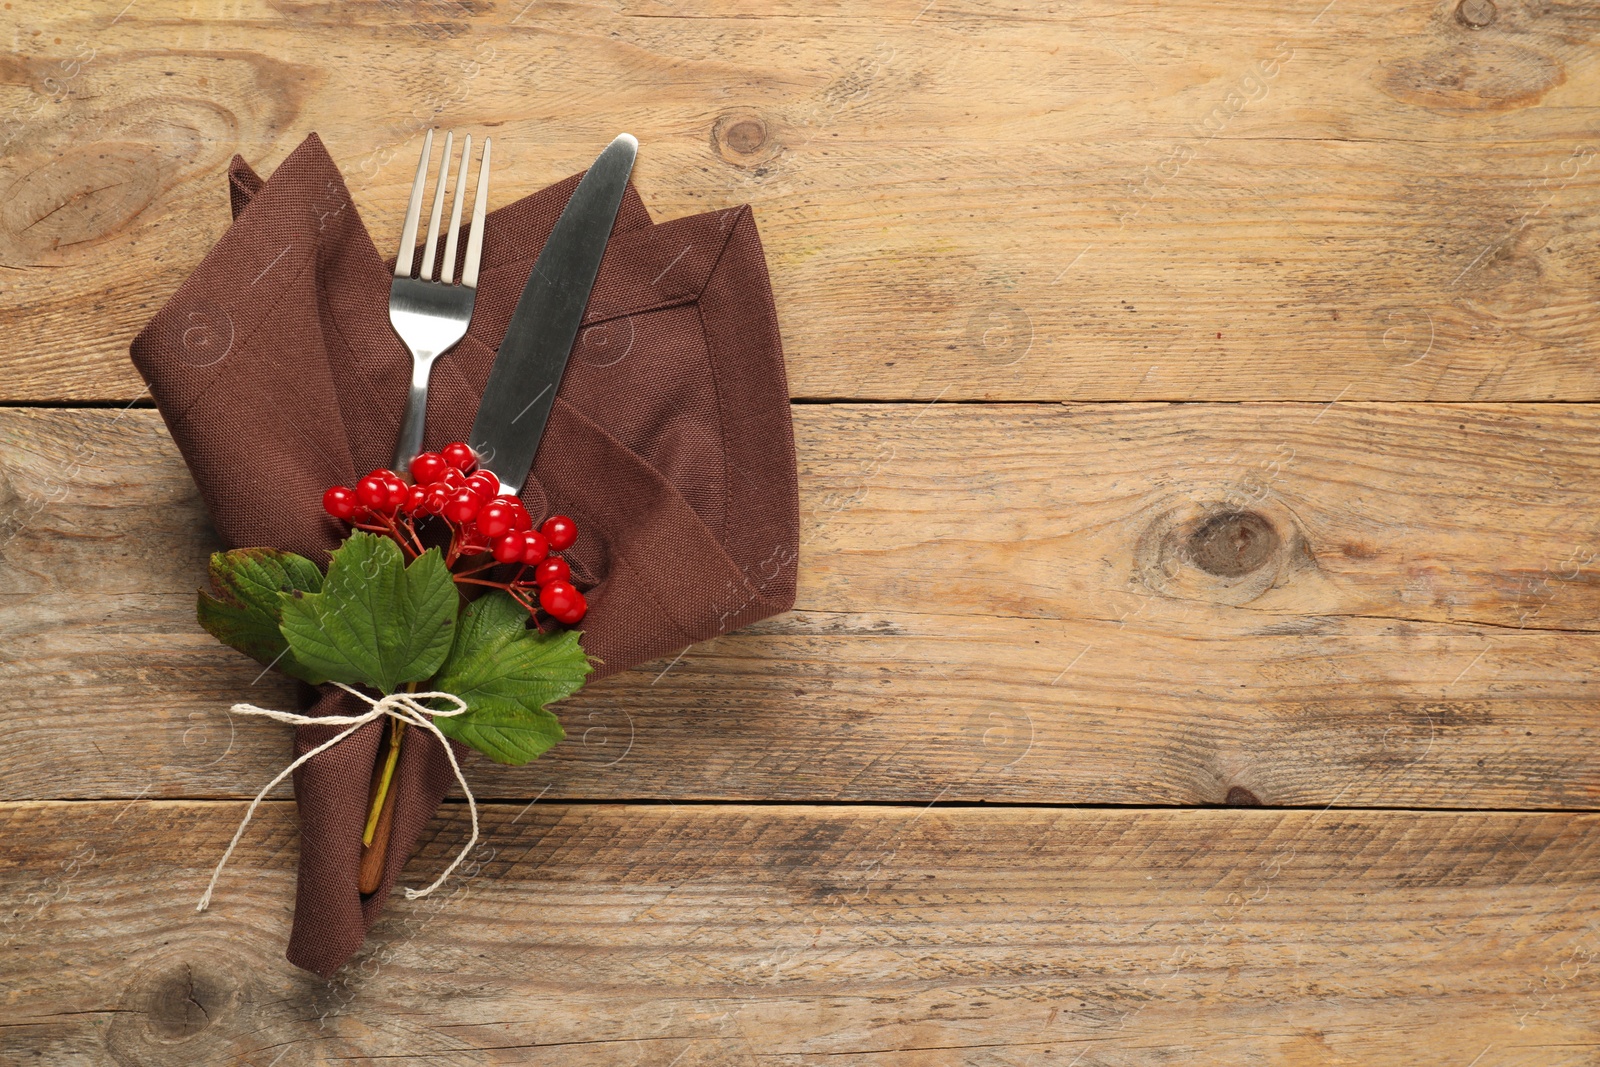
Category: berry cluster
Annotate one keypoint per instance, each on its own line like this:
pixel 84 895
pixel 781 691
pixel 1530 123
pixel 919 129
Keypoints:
pixel 486 529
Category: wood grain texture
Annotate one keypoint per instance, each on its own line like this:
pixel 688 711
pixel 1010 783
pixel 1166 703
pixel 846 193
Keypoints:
pixel 728 934
pixel 1341 594
pixel 1205 200
pixel 1354 604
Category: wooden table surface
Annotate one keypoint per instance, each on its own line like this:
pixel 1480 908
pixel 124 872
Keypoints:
pixel 1195 659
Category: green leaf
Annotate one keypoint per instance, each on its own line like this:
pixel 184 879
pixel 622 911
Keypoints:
pixel 376 621
pixel 244 613
pixel 507 674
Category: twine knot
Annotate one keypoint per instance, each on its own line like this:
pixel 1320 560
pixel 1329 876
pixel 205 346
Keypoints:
pixel 406 707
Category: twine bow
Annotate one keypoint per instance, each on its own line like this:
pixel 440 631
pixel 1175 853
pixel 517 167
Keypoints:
pixel 406 707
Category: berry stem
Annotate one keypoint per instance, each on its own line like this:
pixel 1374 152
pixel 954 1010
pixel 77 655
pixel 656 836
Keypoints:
pixel 394 531
pixel 532 608
pixel 411 532
pixel 464 580
pixel 391 530
pixel 395 735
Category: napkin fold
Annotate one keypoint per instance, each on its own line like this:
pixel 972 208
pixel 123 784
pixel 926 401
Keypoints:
pixel 671 444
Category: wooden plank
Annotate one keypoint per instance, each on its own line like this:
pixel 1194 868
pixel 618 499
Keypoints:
pixel 1005 603
pixel 1078 200
pixel 727 934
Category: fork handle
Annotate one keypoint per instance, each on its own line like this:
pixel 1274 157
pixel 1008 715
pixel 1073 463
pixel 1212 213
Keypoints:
pixel 416 420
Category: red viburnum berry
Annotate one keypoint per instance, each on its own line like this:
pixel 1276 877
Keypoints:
pixel 373 492
pixel 459 455
pixel 559 598
pixel 485 484
pixel 341 503
pixel 561 531
pixel 399 493
pixel 416 500
pixel 454 478
pixel 554 569
pixel 507 548
pixel 520 519
pixel 574 614
pixel 535 547
pixel 428 468
pixel 462 506
pixel 495 518
pixel 438 493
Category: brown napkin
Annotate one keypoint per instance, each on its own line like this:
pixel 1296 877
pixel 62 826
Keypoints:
pixel 279 375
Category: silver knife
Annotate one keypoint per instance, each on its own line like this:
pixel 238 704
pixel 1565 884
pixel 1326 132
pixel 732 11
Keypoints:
pixel 533 354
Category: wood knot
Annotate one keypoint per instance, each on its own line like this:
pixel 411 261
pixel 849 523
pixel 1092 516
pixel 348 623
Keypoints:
pixel 1476 13
pixel 179 999
pixel 1233 544
pixel 1240 797
pixel 745 136
pixel 744 139
pixel 1207 547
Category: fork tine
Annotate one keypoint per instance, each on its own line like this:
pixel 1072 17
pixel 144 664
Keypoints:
pixel 408 235
pixel 455 213
pixel 426 273
pixel 469 269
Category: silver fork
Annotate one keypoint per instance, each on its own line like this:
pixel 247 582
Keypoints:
pixel 431 315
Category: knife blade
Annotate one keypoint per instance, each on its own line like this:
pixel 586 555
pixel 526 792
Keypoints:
pixel 533 354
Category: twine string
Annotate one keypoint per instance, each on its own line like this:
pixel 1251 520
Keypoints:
pixel 406 707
